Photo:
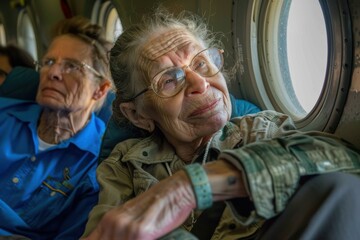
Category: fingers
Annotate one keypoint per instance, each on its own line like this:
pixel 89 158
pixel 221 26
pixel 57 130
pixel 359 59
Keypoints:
pixel 150 215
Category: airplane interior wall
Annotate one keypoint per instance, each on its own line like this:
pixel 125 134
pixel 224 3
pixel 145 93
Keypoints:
pixel 349 125
pixel 219 16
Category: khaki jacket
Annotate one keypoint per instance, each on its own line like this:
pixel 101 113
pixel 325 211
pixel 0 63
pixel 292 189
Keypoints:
pixel 265 146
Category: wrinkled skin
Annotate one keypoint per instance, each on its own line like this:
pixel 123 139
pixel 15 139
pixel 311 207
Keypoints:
pixel 68 99
pixel 188 120
pixel 165 206
pixel 152 214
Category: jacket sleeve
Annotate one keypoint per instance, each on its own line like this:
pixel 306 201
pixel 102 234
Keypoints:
pixel 274 164
pixel 116 187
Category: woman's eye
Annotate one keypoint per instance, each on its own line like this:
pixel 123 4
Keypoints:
pixel 200 66
pixel 48 62
pixel 169 83
pixel 71 66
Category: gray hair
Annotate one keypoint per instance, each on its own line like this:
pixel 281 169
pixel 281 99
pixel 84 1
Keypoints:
pixel 127 75
pixel 93 35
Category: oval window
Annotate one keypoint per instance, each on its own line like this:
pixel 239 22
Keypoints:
pixel 307 51
pixel 108 18
pixel 2 35
pixel 26 34
pixel 294 57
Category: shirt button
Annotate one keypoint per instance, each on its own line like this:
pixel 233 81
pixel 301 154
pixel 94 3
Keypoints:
pixel 15 180
pixel 52 194
pixel 33 158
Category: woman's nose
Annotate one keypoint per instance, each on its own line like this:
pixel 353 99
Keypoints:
pixel 196 84
pixel 55 72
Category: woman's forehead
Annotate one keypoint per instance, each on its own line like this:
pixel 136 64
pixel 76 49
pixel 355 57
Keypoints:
pixel 64 46
pixel 162 44
pixel 166 42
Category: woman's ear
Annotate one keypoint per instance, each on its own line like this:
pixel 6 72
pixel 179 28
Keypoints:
pixel 102 90
pixel 140 121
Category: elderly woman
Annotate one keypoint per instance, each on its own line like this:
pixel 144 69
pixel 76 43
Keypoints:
pixel 168 74
pixel 49 149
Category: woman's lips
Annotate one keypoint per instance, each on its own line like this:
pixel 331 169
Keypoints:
pixel 205 108
pixel 46 89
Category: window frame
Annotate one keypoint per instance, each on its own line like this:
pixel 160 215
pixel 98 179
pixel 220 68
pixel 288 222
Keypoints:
pixel 251 23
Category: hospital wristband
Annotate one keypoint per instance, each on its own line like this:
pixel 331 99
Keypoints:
pixel 200 184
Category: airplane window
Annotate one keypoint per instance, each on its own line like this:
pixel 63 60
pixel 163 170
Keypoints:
pixel 2 35
pixel 108 17
pixel 295 57
pixel 306 41
pixel 298 73
pixel 113 25
pixel 26 35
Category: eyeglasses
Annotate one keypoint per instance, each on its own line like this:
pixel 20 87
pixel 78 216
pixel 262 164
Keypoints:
pixel 171 81
pixel 70 66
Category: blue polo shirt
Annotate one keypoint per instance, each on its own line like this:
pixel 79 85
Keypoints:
pixel 45 195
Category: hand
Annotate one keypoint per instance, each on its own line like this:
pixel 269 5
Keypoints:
pixel 150 215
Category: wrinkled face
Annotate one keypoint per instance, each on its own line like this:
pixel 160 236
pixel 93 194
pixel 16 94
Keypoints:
pixel 5 68
pixel 64 83
pixel 201 108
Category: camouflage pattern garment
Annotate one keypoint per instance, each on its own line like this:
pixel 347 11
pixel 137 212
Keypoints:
pixel 273 156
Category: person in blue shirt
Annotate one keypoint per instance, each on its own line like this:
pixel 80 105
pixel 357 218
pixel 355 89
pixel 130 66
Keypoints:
pixel 49 148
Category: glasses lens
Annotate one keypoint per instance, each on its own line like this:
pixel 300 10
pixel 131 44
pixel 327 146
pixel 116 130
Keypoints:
pixel 72 67
pixel 208 62
pixel 170 82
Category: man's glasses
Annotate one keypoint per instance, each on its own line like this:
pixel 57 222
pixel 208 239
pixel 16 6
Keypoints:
pixel 69 66
pixel 171 81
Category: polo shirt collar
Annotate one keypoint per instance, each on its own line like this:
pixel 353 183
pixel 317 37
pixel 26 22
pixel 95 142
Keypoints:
pixel 87 139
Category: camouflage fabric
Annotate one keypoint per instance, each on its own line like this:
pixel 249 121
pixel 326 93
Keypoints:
pixel 265 146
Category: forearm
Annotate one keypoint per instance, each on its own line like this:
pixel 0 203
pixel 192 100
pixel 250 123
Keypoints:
pixel 212 182
pixel 273 169
pixel 226 181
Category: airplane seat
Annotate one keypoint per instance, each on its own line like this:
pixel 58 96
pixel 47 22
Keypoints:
pixel 105 111
pixel 21 83
pixel 115 133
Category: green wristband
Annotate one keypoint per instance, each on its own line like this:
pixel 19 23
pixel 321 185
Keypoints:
pixel 201 185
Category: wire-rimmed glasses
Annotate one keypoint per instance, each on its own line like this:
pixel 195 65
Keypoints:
pixel 171 81
pixel 68 66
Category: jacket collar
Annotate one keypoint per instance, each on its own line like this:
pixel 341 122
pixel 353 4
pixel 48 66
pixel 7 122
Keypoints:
pixel 155 149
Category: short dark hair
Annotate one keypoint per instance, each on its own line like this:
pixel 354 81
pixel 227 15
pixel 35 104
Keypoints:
pixel 17 56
